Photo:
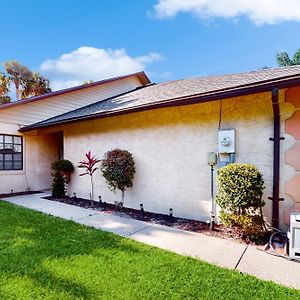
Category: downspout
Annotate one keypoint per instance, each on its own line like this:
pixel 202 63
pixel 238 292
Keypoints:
pixel 276 158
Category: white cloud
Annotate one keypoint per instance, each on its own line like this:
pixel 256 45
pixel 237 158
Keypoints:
pixel 89 63
pixel 258 11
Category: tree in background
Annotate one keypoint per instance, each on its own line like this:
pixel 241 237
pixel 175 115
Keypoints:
pixel 4 98
pixel 36 85
pixel 26 82
pixel 17 74
pixel 87 82
pixel 283 59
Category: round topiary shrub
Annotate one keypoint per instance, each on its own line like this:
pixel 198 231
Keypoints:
pixel 118 169
pixel 240 190
pixel 62 165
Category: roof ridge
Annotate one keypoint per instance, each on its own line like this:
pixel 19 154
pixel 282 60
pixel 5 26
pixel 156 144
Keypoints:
pixel 88 105
pixel 233 74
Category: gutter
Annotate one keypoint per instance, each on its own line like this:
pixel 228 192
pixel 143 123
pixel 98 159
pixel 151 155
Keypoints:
pixel 276 158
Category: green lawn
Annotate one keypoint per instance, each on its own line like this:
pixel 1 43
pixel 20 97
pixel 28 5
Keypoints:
pixel 43 257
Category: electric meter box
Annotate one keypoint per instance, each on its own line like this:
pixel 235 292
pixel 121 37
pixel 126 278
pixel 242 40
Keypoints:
pixel 295 236
pixel 226 141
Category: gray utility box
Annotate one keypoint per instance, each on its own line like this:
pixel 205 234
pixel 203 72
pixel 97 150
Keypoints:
pixel 295 236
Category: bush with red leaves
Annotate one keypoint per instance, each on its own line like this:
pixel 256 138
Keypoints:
pixel 118 169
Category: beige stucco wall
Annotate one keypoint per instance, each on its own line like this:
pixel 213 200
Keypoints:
pixel 38 154
pixel 170 147
pixel 41 150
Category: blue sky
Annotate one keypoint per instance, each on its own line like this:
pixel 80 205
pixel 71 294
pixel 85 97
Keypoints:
pixel 69 41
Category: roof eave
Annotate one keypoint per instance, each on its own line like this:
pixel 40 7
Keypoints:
pixel 206 97
pixel 144 79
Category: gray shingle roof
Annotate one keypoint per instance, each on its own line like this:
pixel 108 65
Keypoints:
pixel 176 90
pixel 141 75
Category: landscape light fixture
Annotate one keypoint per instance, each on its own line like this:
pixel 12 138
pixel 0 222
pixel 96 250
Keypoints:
pixel 100 199
pixel 74 195
pixel 142 208
pixel 171 212
pixel 212 160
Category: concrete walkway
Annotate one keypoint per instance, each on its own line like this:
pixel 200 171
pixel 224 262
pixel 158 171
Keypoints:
pixel 224 253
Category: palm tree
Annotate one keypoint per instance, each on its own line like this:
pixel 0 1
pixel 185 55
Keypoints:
pixel 18 74
pixel 283 59
pixel 27 83
pixel 35 86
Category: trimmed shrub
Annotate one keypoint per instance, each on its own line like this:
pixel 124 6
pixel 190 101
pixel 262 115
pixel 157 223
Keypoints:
pixel 58 185
pixel 64 167
pixel 61 173
pixel 240 190
pixel 118 169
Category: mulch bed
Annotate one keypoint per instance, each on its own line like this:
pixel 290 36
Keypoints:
pixel 220 231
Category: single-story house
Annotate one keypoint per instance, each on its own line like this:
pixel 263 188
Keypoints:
pixel 169 128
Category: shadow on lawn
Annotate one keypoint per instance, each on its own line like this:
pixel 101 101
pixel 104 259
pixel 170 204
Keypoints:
pixel 46 257
pixel 29 239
